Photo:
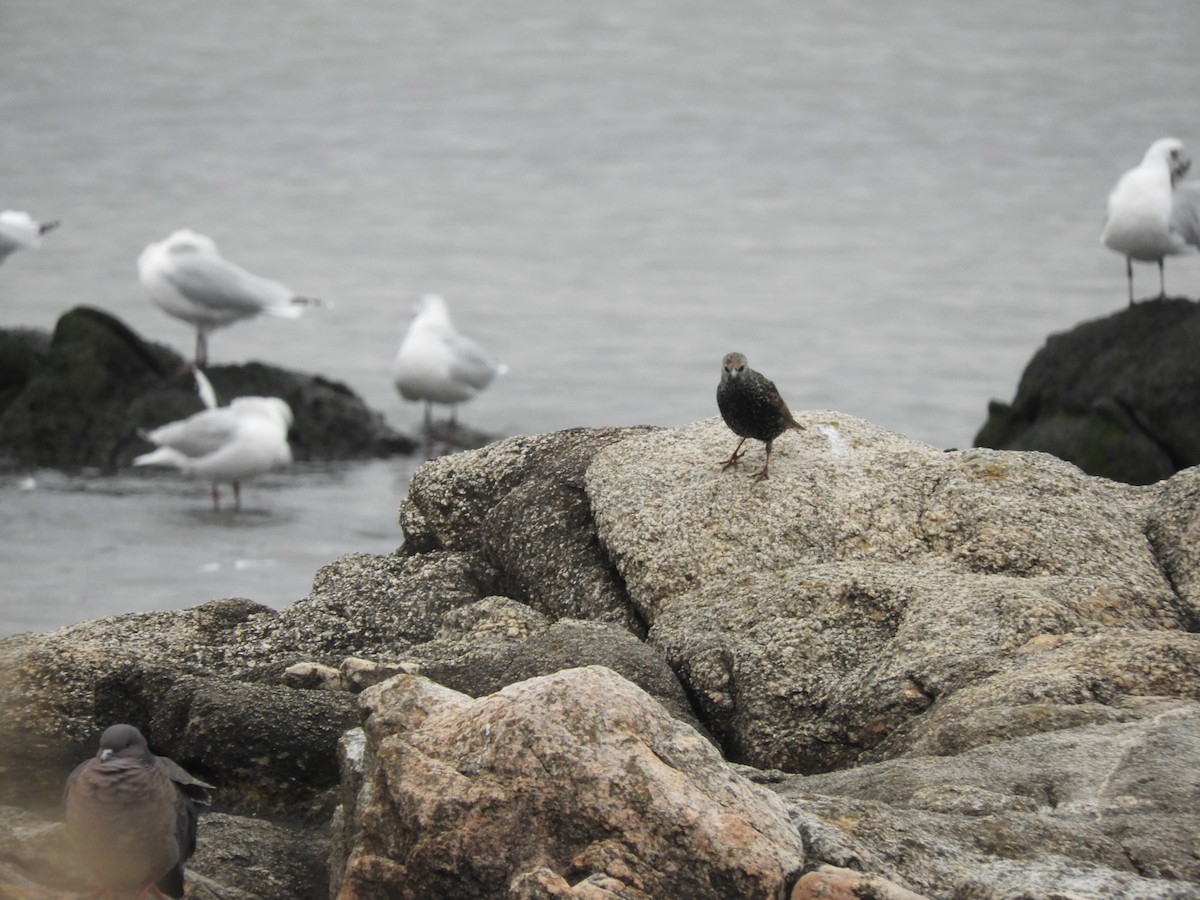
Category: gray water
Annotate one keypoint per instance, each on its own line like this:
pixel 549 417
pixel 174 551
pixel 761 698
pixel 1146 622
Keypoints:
pixel 886 207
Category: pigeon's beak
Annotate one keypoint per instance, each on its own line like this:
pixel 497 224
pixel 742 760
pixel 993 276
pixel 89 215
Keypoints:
pixel 106 754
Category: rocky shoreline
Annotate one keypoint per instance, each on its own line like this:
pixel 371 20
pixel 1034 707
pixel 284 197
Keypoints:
pixel 599 667
pixel 79 398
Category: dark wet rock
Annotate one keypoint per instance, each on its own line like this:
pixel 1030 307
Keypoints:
pixel 1115 396
pixel 261 860
pixel 271 747
pixel 22 352
pixel 80 401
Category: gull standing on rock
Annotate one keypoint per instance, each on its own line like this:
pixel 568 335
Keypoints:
pixel 188 278
pixel 751 407
pixel 131 817
pixel 20 231
pixel 228 443
pixel 437 364
pixel 1151 215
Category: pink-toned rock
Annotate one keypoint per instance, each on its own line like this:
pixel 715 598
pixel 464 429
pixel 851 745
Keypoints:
pixel 577 784
pixel 834 883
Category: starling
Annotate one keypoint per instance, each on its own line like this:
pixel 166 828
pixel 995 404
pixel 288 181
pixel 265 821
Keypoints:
pixel 751 407
pixel 131 816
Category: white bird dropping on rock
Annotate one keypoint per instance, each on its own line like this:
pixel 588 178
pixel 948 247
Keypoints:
pixel 436 364
pixel 187 277
pixel 1151 214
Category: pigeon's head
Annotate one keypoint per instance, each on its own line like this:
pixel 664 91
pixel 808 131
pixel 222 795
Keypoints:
pixel 732 366
pixel 122 741
pixel 1171 152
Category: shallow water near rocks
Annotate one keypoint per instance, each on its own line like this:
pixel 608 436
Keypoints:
pixel 81 547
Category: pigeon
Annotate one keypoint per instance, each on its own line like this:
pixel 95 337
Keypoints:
pixel 751 407
pixel 131 817
pixel 19 231
pixel 437 364
pixel 225 443
pixel 188 278
pixel 1151 214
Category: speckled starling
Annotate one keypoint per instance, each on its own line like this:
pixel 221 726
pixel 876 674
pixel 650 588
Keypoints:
pixel 751 407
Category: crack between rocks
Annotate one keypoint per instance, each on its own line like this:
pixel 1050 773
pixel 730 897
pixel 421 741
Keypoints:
pixel 1188 617
pixel 1127 747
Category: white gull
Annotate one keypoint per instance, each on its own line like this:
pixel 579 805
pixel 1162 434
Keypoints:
pixel 188 278
pixel 436 364
pixel 20 231
pixel 1151 213
pixel 226 443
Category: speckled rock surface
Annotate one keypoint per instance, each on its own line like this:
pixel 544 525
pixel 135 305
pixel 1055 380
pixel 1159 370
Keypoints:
pixel 520 503
pixel 1100 810
pixel 832 614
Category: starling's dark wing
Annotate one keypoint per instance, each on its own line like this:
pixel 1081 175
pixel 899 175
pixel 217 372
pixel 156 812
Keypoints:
pixel 776 401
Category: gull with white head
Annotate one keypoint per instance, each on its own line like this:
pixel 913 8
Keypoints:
pixel 1152 213
pixel 436 364
pixel 186 276
pixel 20 231
pixel 225 443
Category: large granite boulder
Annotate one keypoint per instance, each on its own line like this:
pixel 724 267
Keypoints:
pixel 1115 396
pixel 79 399
pixel 878 596
pixel 520 503
pixel 547 788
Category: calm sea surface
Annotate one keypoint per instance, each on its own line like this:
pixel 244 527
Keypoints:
pixel 886 207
